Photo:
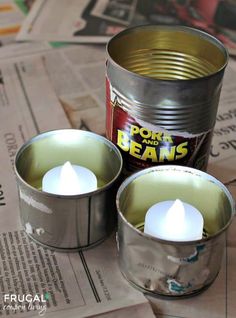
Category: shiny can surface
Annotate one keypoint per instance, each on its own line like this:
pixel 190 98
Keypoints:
pixel 67 222
pixel 163 88
pixel 168 268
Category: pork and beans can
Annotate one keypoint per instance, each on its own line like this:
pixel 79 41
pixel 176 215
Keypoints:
pixel 163 86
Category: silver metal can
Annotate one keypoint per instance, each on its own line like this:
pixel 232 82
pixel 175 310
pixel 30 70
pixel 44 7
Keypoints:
pixel 168 268
pixel 67 222
pixel 163 88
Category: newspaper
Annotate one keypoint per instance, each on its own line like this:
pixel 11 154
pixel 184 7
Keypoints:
pixel 14 50
pixel 72 77
pixel 223 151
pixel 95 21
pixel 77 75
pixel 81 284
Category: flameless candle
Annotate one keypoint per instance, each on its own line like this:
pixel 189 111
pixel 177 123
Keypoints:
pixel 69 180
pixel 174 221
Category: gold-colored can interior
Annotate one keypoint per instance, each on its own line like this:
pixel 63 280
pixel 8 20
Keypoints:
pixel 151 187
pixel 175 53
pixel 54 148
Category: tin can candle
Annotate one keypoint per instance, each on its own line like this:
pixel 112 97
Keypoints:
pixel 168 267
pixel 163 88
pixel 69 214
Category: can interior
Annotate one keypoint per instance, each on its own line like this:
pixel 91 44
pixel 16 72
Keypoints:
pixel 167 52
pixel 138 195
pixel 54 148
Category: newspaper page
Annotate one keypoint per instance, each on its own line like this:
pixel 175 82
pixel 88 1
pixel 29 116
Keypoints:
pixel 222 163
pixel 11 18
pixel 78 77
pixel 77 74
pixel 95 21
pixel 81 284
pixel 14 50
pixel 82 70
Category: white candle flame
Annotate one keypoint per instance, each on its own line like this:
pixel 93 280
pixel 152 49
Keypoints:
pixel 174 220
pixel 175 214
pixel 68 181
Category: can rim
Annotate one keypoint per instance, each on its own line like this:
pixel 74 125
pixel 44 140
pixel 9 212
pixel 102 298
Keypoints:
pixel 176 168
pixel 201 33
pixel 77 131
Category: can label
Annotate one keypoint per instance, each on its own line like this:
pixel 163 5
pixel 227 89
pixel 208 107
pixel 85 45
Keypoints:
pixel 143 147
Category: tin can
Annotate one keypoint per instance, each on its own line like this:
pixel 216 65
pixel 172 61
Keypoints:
pixel 67 222
pixel 168 268
pixel 162 90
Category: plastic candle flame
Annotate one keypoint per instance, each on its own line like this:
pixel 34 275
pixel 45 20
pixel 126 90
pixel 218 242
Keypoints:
pixel 68 180
pixel 175 216
pixel 174 221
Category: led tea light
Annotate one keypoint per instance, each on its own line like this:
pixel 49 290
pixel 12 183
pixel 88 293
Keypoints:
pixel 174 221
pixel 161 247
pixel 67 181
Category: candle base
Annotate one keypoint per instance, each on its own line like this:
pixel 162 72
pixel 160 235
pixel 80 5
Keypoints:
pixel 140 227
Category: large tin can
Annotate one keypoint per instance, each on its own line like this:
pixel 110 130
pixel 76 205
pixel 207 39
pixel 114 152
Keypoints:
pixel 164 267
pixel 163 88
